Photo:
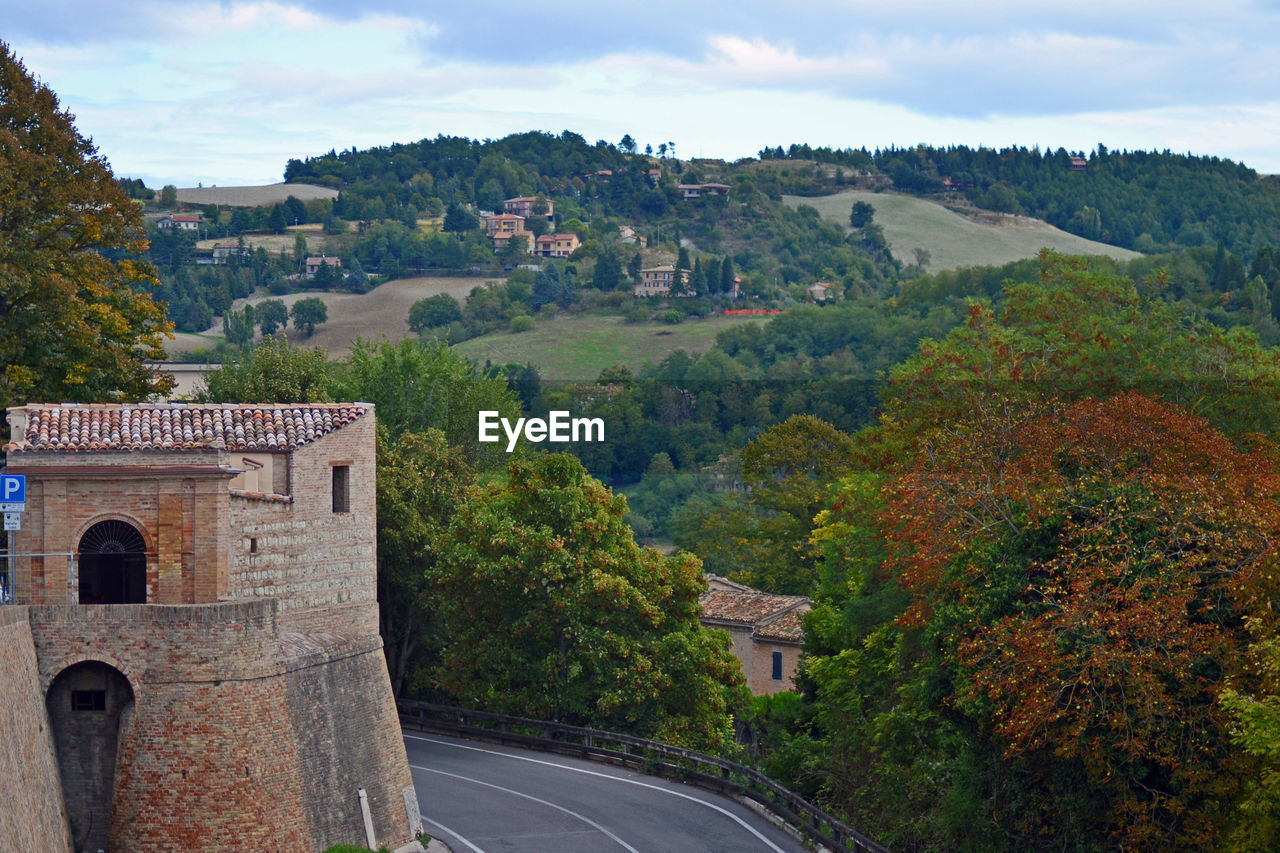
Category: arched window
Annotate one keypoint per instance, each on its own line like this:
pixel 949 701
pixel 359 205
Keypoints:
pixel 113 564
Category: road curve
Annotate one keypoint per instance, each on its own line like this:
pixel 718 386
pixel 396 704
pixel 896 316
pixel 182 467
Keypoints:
pixel 480 798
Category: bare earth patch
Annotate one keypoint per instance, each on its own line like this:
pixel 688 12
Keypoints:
pixel 253 196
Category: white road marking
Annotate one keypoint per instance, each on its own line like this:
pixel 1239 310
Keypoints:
pixel 438 825
pixel 748 827
pixel 569 812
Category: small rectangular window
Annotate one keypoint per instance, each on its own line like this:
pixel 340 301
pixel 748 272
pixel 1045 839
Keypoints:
pixel 88 700
pixel 341 488
pixel 777 666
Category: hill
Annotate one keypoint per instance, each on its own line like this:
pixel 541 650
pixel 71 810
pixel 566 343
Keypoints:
pixel 253 196
pixel 952 240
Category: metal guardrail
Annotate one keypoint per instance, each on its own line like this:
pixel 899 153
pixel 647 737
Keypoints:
pixel 675 762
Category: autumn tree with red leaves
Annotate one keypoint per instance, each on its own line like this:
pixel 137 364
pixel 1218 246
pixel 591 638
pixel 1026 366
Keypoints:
pixel 1030 632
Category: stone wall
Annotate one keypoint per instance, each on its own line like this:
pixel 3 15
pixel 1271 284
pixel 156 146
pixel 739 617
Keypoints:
pixel 31 812
pixel 240 737
pixel 319 563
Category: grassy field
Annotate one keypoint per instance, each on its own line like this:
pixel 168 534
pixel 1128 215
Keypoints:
pixel 953 240
pixel 253 196
pixel 383 311
pixel 578 347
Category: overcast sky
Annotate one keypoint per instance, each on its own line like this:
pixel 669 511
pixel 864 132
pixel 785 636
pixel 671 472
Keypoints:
pixel 225 92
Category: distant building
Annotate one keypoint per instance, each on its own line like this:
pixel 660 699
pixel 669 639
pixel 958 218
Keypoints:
pixel 222 251
pixel 180 221
pixel 689 191
pixel 628 235
pixel 503 223
pixel 1079 164
pixel 314 264
pixel 556 245
pixel 657 281
pixel 523 206
pixel 502 239
pixel 765 631
pixel 819 291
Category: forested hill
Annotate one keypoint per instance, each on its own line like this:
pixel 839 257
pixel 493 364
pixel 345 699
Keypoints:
pixel 1146 201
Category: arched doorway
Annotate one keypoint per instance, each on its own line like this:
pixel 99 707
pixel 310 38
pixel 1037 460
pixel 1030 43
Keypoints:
pixel 113 564
pixel 86 704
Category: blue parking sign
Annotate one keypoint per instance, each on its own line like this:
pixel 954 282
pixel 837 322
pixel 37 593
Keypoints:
pixel 13 488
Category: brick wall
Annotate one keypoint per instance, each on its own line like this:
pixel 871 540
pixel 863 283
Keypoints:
pixel 349 738
pixel 241 736
pixel 177 502
pixel 31 813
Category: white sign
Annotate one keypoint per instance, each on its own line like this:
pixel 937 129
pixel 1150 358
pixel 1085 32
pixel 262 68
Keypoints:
pixel 13 521
pixel 13 507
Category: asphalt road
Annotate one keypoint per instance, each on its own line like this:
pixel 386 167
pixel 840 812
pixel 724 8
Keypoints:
pixel 480 798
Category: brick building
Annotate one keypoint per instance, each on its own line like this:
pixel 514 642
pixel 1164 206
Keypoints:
pixel 198 581
pixel 764 628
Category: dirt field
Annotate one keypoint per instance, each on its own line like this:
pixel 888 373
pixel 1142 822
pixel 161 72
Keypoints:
pixel 277 243
pixel 382 311
pixel 253 196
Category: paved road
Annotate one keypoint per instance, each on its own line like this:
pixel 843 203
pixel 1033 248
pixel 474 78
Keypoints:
pixel 481 798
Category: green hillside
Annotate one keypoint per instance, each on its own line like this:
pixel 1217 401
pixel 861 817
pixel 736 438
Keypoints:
pixel 577 348
pixel 952 240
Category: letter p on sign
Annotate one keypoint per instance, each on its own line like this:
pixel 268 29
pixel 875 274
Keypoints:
pixel 13 488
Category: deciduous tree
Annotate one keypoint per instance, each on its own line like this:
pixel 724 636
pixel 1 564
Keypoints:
pixel 308 313
pixel 552 611
pixel 77 321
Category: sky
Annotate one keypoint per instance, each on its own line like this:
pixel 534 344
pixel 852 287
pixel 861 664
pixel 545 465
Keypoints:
pixel 224 93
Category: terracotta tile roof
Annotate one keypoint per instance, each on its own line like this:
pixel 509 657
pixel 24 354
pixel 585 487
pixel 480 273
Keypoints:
pixel 770 617
pixel 746 607
pixel 78 427
pixel 786 627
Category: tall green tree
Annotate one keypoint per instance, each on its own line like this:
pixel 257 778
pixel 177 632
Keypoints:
pixel 594 629
pixel 307 313
pixel 271 315
pixel 432 312
pixel 421 481
pixel 77 321
pixel 275 371
pixel 418 386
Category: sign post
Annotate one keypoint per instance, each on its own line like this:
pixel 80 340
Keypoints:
pixel 13 502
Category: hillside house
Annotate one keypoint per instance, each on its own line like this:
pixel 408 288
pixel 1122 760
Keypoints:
pixel 765 631
pixel 503 238
pixel 314 264
pixel 503 223
pixel 628 236
pixel 524 205
pixel 658 281
pixel 181 221
pixel 225 250
pixel 690 191
pixel 1079 164
pixel 819 291
pixel 556 245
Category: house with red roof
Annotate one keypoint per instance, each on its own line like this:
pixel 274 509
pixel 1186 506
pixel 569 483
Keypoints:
pixel 765 631
pixel 181 221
